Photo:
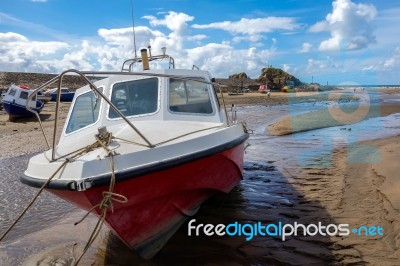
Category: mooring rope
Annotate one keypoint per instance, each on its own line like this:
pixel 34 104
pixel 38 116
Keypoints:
pixel 108 196
pixel 67 160
pixel 106 204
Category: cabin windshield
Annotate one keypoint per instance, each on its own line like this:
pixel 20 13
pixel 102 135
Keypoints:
pixel 189 96
pixel 12 92
pixel 85 112
pixel 135 97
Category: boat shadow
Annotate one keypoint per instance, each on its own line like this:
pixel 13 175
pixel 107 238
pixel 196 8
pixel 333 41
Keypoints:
pixel 43 117
pixel 264 195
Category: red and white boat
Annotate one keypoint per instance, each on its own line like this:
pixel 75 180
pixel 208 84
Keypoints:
pixel 170 148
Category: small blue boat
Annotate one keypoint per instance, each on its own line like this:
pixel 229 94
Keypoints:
pixel 66 95
pixel 14 102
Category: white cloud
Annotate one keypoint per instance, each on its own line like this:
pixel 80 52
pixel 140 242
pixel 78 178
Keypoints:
pixel 306 47
pixel 19 53
pixel 112 46
pixel 198 37
pixel 12 37
pixel 252 26
pixel 287 68
pixel 324 66
pixel 393 62
pixel 254 38
pixel 319 26
pixel 222 58
pixel 349 26
pixel 123 37
pixel 176 22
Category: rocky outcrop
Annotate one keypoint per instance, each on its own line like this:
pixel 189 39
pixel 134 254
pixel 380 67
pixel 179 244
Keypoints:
pixel 276 78
pixel 241 75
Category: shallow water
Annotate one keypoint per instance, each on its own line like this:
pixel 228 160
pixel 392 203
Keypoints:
pixel 265 195
pixel 15 196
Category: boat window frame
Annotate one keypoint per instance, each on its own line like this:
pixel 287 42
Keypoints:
pixel 100 99
pixel 194 78
pixel 112 87
pixel 12 92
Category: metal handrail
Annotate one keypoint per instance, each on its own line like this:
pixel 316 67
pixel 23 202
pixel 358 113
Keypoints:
pixel 135 60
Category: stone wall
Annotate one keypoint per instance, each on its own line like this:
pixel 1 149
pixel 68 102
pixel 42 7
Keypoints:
pixel 34 80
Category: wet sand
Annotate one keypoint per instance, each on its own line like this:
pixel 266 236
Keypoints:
pixel 359 188
pixel 334 116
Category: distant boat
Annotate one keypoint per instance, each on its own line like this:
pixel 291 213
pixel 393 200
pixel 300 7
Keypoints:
pixel 66 95
pixel 14 102
pixel 43 97
pixel 263 89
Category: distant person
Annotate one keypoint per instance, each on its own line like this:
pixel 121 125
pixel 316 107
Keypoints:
pixel 269 94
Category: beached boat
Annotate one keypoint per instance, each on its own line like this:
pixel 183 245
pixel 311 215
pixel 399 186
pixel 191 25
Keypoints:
pixel 43 97
pixel 170 142
pixel 263 88
pixel 15 102
pixel 66 95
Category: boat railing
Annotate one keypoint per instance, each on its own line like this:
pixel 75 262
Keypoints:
pixel 98 93
pixel 128 65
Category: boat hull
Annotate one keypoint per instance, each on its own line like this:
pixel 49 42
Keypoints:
pixel 15 110
pixel 159 202
pixel 65 97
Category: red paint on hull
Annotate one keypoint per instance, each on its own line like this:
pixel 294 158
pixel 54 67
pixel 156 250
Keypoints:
pixel 159 202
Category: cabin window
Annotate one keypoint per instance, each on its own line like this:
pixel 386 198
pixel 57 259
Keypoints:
pixel 189 96
pixel 12 92
pixel 23 95
pixel 85 111
pixel 135 97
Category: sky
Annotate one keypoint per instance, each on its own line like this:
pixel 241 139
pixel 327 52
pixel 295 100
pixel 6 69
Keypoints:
pixel 339 42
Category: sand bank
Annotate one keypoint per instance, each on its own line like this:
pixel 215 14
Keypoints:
pixel 282 98
pixel 329 117
pixel 359 194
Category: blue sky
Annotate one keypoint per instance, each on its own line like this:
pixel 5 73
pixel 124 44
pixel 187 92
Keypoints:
pixel 339 42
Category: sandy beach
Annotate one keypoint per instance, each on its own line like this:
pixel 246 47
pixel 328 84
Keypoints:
pixel 360 188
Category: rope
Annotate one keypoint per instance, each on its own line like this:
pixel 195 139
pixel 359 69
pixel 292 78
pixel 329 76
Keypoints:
pixel 106 204
pixel 68 159
pixel 108 196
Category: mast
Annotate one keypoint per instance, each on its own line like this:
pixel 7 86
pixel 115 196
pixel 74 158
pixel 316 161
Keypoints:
pixel 133 29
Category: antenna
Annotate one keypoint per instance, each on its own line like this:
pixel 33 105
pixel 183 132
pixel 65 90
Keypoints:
pixel 133 30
